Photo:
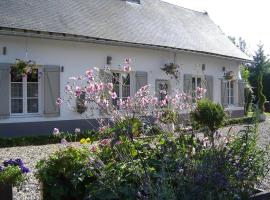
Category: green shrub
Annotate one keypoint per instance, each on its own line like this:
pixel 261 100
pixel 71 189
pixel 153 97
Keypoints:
pixel 13 172
pixel 160 167
pixel 64 175
pixel 210 115
pixel 241 120
pixel 249 97
pixel 261 97
pixel 46 139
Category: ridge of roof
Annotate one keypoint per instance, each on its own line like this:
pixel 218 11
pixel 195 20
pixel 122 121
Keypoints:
pixel 176 5
pixel 155 23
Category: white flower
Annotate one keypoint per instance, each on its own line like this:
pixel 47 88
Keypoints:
pixel 56 132
pixel 77 130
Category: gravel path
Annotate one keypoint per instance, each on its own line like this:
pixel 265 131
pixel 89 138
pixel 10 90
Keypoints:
pixel 31 154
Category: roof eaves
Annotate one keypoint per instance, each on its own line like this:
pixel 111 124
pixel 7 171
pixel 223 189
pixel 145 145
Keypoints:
pixel 80 38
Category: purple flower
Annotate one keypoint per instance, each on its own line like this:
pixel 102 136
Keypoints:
pixel 24 169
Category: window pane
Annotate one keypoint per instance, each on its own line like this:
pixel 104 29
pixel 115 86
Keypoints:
pixel 115 78
pixel 33 77
pixel 16 90
pixel 32 90
pixel 126 91
pixel 14 76
pixel 16 105
pixel 193 83
pixel 32 105
pixel 116 89
pixel 199 82
pixel 126 79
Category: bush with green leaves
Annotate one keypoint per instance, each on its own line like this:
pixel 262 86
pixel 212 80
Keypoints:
pixel 160 167
pixel 210 115
pixel 13 172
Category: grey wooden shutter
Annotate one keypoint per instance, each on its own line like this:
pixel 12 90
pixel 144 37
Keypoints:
pixel 187 84
pixel 141 79
pixel 4 89
pixel 133 84
pixel 51 90
pixel 241 93
pixel 224 93
pixel 209 87
pixel 105 77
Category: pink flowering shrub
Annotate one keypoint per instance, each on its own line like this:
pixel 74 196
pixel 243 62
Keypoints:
pixel 95 90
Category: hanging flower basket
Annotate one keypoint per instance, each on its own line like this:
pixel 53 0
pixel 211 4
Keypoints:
pixel 230 76
pixel 23 68
pixel 171 69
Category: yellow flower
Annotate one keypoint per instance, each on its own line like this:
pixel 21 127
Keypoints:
pixel 83 141
pixel 88 140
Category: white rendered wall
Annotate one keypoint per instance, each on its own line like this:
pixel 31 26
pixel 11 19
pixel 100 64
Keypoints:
pixel 77 57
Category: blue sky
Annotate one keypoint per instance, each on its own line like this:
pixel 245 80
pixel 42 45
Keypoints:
pixel 246 18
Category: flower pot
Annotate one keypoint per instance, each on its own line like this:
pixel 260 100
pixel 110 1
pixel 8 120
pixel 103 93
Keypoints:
pixel 262 117
pixel 5 192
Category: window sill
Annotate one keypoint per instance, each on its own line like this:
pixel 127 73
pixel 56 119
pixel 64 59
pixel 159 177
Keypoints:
pixel 234 107
pixel 25 115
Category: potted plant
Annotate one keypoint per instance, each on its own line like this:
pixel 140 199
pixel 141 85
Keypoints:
pixel 23 68
pixel 12 174
pixel 230 75
pixel 171 69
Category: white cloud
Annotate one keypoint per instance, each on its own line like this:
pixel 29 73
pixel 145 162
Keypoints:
pixel 244 18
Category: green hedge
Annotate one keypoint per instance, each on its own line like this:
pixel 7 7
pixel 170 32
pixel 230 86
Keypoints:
pixel 241 120
pixel 46 139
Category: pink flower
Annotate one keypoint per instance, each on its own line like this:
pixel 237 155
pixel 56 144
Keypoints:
pixel 110 86
pixel 68 88
pixel 93 148
pixel 89 73
pixel 90 89
pixel 64 141
pixel 59 101
pixel 56 132
pixel 113 95
pixel 78 91
pixel 100 87
pixel 128 60
pixel 105 142
pixel 154 100
pixel 127 68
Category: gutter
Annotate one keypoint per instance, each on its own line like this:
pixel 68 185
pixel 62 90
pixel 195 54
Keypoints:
pixel 80 38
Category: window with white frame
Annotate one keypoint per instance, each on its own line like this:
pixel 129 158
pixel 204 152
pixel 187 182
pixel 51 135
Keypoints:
pixel 162 89
pixel 197 82
pixel 121 84
pixel 230 92
pixel 24 93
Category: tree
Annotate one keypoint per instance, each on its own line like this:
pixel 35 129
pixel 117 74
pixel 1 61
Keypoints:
pixel 240 43
pixel 261 66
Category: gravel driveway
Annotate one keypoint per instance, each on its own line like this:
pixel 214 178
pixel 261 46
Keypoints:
pixel 31 154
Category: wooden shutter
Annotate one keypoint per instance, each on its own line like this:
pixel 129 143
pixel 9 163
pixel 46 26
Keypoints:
pixel 105 77
pixel 51 90
pixel 210 87
pixel 224 93
pixel 241 93
pixel 141 79
pixel 4 89
pixel 187 84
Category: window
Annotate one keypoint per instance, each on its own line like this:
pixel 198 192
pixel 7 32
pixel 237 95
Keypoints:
pixel 121 84
pixel 24 93
pixel 196 82
pixel 162 89
pixel 230 92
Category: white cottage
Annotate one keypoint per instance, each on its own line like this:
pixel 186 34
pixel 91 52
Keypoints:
pixel 66 37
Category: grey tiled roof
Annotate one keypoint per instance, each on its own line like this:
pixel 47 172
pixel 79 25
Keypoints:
pixel 153 23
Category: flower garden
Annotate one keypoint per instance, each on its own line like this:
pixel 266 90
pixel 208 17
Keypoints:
pixel 146 148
